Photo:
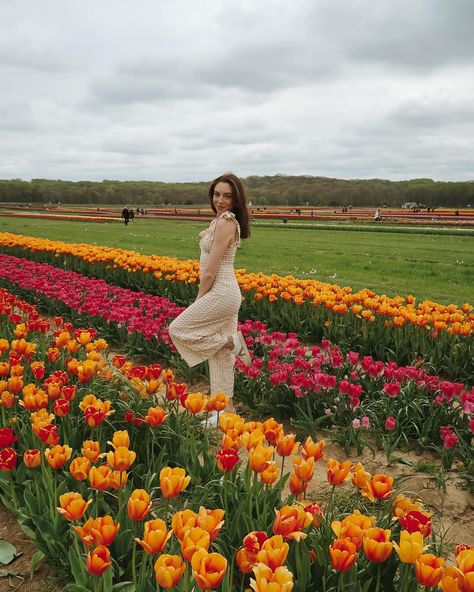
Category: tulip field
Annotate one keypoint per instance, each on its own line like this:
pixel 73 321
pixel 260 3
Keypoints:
pixel 110 467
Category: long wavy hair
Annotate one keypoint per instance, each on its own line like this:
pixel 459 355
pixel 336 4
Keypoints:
pixel 239 201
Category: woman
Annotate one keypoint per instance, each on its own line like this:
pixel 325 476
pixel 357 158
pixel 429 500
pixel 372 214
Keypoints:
pixel 207 330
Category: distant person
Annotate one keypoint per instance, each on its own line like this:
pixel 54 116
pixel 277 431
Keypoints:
pixel 131 214
pixel 377 216
pixel 126 216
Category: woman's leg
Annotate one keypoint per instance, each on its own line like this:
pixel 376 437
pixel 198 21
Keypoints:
pixel 221 364
pixel 221 372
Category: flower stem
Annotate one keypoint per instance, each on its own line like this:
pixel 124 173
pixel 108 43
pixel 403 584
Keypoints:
pixel 134 565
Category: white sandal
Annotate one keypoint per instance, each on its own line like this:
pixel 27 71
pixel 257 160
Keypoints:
pixel 240 348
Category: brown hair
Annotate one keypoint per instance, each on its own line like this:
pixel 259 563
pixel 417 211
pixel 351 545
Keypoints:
pixel 239 201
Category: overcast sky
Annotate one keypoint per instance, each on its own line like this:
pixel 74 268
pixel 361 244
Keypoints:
pixel 182 90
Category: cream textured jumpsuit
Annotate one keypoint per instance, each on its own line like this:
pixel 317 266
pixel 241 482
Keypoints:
pixel 200 332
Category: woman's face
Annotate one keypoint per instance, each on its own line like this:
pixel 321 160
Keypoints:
pixel 222 198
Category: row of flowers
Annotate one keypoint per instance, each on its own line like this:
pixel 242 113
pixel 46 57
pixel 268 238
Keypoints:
pixel 316 385
pixel 107 466
pixel 393 328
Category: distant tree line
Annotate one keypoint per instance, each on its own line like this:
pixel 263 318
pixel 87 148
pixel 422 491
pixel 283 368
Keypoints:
pixel 263 191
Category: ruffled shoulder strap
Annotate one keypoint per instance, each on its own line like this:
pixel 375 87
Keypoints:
pixel 229 216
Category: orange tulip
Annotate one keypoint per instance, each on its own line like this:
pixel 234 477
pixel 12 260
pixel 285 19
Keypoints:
pixel 98 560
pixel 85 532
pixel 91 450
pixel 155 416
pixel 104 530
pixel 34 399
pixel 360 477
pixel 118 479
pixel 7 399
pixel 210 520
pixel 79 468
pixel 72 505
pixel 194 539
pixel 15 384
pixel 272 430
pixel 338 472
pixel 195 402
pixel 155 536
pixel 208 569
pixel 120 438
pixel 217 402
pixel 429 570
pixel 269 475
pixel 173 481
pixel 410 547
pixel 467 582
pixel 5 370
pixel 451 580
pixel 266 580
pixel 273 552
pixel 353 527
pixel 121 458
pixel 402 505
pixel 251 440
pixel 86 370
pixel 99 477
pixel 260 457
pixel 251 426
pixel 343 554
pixel 231 440
pixel 32 458
pixel 139 505
pixel 377 545
pixel 169 570
pixel 231 421
pixel 297 487
pixel 245 560
pixel 153 386
pixel 41 418
pixel 314 449
pixel 379 487
pixel 54 390
pixel 53 354
pixel 182 521
pixel 304 469
pixel 465 563
pixel 286 445
pixel 57 456
pixel 290 521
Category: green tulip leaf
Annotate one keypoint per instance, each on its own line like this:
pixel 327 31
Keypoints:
pixel 7 552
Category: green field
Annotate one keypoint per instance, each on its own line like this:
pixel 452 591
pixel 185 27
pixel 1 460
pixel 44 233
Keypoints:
pixel 429 266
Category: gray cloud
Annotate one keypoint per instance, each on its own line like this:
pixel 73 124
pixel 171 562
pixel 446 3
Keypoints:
pixel 172 90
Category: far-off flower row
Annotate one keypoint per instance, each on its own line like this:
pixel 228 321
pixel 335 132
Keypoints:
pixel 113 474
pixel 376 325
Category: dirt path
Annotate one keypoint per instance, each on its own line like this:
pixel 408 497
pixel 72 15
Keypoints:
pixel 17 574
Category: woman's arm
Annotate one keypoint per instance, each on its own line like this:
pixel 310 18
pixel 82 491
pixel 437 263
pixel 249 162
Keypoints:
pixel 223 234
